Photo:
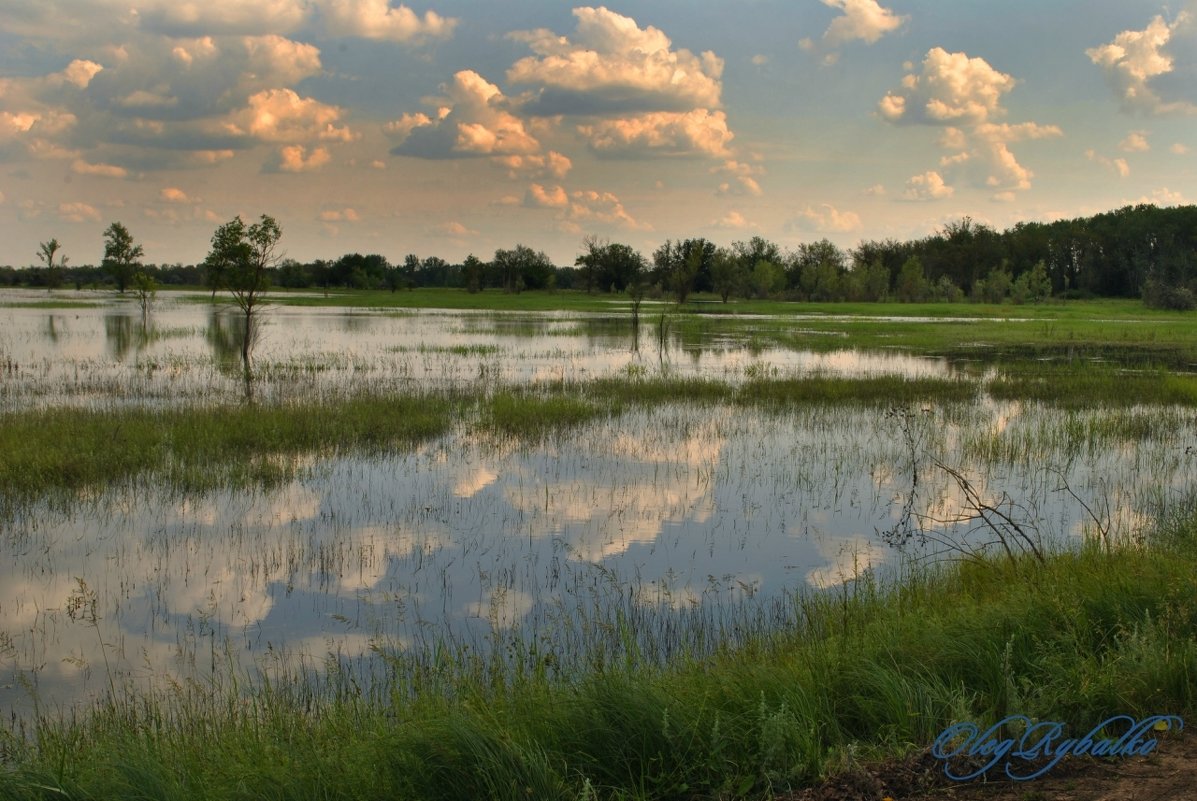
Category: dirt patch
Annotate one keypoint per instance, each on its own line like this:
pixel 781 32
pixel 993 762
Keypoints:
pixel 1170 772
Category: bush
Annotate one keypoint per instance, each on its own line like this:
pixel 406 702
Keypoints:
pixel 1160 295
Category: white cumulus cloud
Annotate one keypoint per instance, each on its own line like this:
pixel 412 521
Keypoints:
pixel 862 20
pixel 696 132
pixel 928 186
pixel 376 19
pixel 963 96
pixel 1135 61
pixel 827 219
pixel 613 66
pixel 473 119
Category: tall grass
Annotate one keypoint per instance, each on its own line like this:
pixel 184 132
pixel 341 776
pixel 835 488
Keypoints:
pixel 254 444
pixel 870 668
pixel 201 448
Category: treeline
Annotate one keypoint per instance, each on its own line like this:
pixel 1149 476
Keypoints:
pixel 1137 251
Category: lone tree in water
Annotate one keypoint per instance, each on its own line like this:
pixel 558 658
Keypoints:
pixel 243 256
pixel 47 251
pixel 120 255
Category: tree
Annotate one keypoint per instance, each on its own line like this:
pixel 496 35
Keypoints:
pixel 146 288
pixel 912 286
pixel 729 274
pixel 47 251
pixel 767 278
pixel 243 256
pixel 609 266
pixel 472 269
pixel 678 265
pixel 818 269
pixel 523 268
pixel 1033 286
pixel 120 255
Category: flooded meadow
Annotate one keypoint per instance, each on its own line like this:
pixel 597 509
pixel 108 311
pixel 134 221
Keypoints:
pixel 664 529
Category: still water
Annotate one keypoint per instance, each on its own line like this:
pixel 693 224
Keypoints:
pixel 687 520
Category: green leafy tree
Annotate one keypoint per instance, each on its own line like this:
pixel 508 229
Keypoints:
pixel 608 265
pixel 994 288
pixel 767 279
pixel 472 269
pixel 868 281
pixel 729 274
pixel 120 255
pixel 1033 286
pixel 243 256
pixel 912 285
pixel 145 288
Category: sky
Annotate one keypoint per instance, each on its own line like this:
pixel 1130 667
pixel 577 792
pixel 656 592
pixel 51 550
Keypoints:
pixel 462 127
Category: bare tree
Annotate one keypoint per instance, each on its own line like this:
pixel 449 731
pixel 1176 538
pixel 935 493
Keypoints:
pixel 48 252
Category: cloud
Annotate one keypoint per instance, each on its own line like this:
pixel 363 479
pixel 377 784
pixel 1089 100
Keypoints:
pixel 473 119
pixel 952 89
pixel 201 17
pixel 963 96
pixel 612 66
pixel 826 219
pixel 1135 63
pixel 591 206
pixel 733 220
pixel 876 190
pixel 339 215
pixel 1135 142
pixel 633 95
pixel 1179 149
pixel 553 164
pixel 928 186
pixel 81 167
pixel 376 19
pixel 1160 197
pixel 538 196
pixel 281 115
pixel 297 158
pixel 171 194
pixel 78 73
pixel 1114 165
pixel 696 132
pixel 78 212
pixel 744 177
pixel 454 229
pixel 862 20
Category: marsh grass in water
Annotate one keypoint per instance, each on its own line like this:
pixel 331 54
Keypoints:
pixel 195 449
pixel 1096 387
pixel 206 447
pixel 868 669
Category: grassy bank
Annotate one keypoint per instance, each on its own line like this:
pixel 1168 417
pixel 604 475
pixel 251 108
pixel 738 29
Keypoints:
pixel 863 671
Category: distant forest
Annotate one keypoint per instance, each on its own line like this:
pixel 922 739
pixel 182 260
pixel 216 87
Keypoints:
pixel 1136 251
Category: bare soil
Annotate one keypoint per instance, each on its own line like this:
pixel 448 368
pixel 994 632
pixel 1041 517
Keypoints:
pixel 1168 773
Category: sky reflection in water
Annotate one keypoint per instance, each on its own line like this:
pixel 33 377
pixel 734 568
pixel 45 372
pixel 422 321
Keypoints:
pixel 671 509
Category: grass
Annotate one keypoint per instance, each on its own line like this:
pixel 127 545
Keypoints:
pixel 245 445
pixel 955 330
pixel 1095 387
pixel 201 448
pixel 863 671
